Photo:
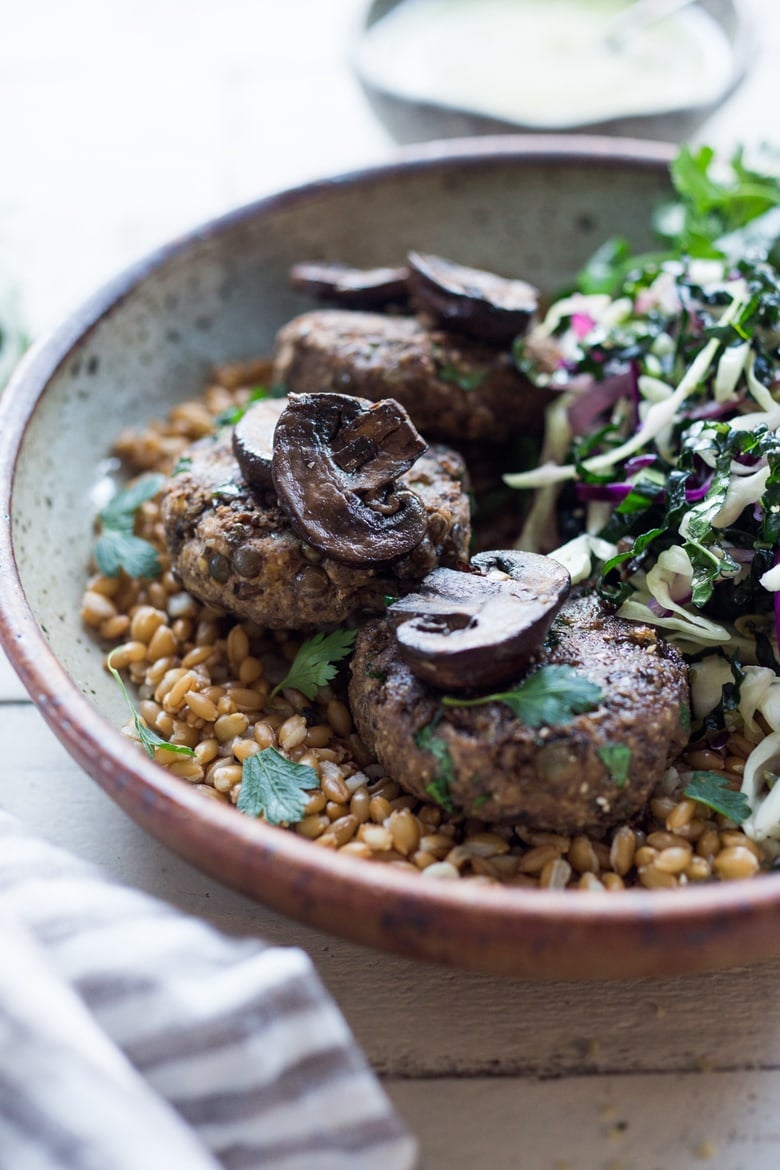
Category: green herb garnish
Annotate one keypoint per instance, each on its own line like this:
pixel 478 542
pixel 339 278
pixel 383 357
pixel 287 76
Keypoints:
pixel 439 788
pixel 227 490
pixel 550 696
pixel 717 213
pixel 313 665
pixel 150 740
pixel 274 787
pixel 616 758
pixel 118 547
pixel 712 789
pixel 463 379
pixel 233 414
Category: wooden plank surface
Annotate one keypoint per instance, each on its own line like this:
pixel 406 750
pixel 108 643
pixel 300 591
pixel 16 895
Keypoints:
pixel 719 1121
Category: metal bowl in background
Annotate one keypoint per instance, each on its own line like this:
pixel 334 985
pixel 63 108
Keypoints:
pixel 417 118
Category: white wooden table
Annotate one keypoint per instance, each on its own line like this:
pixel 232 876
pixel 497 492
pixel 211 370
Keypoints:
pixel 122 123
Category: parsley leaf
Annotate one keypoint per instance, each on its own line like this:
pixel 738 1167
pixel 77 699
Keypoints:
pixel 233 414
pixel 121 509
pixel 313 666
pixel 715 214
pixel 274 787
pixel 551 695
pixel 464 379
pixel 150 740
pixel 712 789
pixel 616 758
pixel 227 490
pixel 115 550
pixel 439 788
pixel 118 547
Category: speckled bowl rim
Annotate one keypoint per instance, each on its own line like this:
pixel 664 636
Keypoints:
pixel 528 933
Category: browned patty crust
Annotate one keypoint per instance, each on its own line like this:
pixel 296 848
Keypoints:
pixel 454 388
pixel 552 777
pixel 234 549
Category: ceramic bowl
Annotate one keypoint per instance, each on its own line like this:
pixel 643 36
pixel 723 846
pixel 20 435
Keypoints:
pixel 413 118
pixel 531 206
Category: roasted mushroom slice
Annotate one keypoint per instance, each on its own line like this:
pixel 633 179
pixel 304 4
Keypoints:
pixel 468 630
pixel 335 463
pixel 471 301
pixel 253 441
pixel 354 288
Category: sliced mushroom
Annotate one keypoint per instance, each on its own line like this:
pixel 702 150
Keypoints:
pixel 355 288
pixel 253 439
pixel 335 463
pixel 471 301
pixel 378 445
pixel 472 630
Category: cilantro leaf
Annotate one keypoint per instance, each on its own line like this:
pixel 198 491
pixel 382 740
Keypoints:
pixel 616 758
pixel 150 740
pixel 439 788
pixel 233 414
pixel 714 205
pixel 712 789
pixel 313 666
pixel 121 509
pixel 274 787
pixel 227 490
pixel 551 695
pixel 115 550
pixel 118 547
pixel 464 379
pixel 717 212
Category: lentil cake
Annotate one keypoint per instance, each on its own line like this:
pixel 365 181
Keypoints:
pixel 455 388
pixel 234 549
pixel 549 777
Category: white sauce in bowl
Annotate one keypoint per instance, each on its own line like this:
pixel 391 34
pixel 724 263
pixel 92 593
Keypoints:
pixel 544 63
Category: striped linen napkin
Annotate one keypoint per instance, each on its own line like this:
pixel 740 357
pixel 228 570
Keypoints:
pixel 133 1037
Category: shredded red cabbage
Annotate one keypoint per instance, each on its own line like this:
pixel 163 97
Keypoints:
pixel 595 399
pixel 603 491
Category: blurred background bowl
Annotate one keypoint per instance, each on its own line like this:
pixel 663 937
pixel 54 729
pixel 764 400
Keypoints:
pixel 416 117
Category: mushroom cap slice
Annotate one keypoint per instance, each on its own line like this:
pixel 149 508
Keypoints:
pixel 354 288
pixel 335 463
pixel 479 629
pixel 253 440
pixel 471 301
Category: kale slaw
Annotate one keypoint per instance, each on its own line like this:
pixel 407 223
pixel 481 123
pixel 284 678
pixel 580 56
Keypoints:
pixel 659 476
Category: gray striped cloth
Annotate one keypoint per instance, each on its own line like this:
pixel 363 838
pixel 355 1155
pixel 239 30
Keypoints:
pixel 133 1037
